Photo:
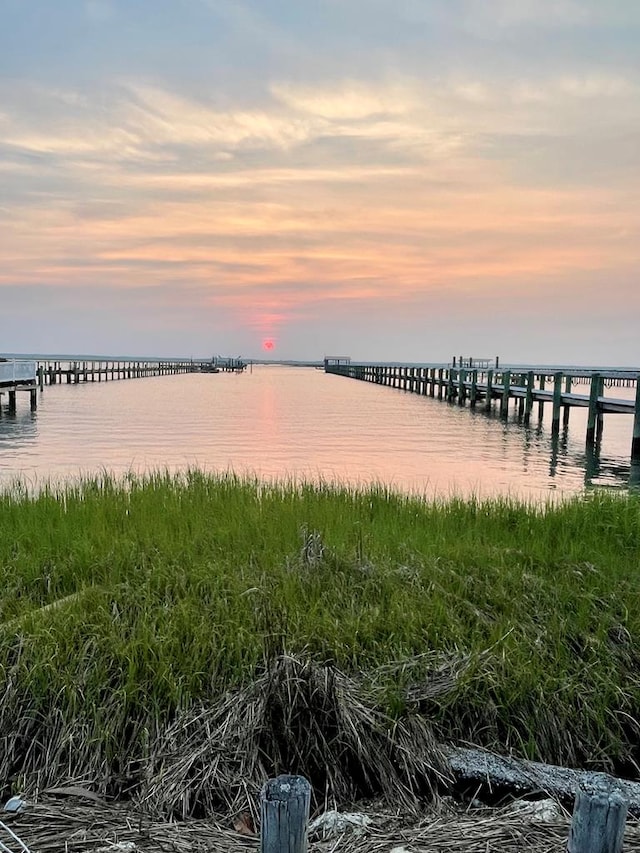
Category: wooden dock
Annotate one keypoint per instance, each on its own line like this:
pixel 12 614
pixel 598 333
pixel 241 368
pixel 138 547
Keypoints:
pixel 54 372
pixel 31 374
pixel 524 388
pixel 17 376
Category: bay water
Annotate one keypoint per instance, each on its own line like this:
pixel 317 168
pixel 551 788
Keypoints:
pixel 298 423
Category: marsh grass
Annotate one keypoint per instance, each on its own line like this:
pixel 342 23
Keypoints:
pixel 127 604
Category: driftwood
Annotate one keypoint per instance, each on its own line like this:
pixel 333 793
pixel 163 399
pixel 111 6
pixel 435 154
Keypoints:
pixel 499 774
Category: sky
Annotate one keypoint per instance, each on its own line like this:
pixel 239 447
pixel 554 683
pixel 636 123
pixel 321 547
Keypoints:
pixel 387 179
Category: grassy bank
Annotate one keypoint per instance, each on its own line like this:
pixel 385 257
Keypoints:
pixel 124 604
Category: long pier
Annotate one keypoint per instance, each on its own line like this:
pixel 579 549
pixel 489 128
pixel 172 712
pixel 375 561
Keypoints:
pixel 31 373
pixel 53 372
pixel 522 387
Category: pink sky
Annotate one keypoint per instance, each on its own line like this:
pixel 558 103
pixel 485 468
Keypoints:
pixel 393 180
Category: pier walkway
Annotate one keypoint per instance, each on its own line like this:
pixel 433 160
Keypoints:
pixel 522 386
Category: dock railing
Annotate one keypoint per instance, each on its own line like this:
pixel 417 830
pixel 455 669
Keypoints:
pixel 16 372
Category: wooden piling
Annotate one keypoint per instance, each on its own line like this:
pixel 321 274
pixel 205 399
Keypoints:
pixel 600 414
pixel 593 409
pixel 462 391
pixel 599 816
pixel 474 389
pixel 506 391
pixel 284 812
pixel 489 390
pixel 543 379
pixel 567 408
pixel 557 401
pixel 528 403
pixel 450 381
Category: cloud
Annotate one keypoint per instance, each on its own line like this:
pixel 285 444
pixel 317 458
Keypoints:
pixel 316 189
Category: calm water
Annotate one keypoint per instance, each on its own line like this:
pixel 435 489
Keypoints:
pixel 280 422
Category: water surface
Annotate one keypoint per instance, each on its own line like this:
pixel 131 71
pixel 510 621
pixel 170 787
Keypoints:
pixel 284 422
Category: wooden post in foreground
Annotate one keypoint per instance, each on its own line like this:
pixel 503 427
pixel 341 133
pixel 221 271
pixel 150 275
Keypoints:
pixel 284 815
pixel 599 816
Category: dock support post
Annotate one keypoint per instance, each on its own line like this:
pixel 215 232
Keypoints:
pixel 600 415
pixel 12 401
pixel 635 441
pixel 557 401
pixel 528 403
pixel 33 399
pixel 567 408
pixel 506 391
pixel 543 379
pixel 41 377
pixel 474 389
pixel 462 391
pixel 593 409
pixel 489 390
pixel 284 813
pixel 450 385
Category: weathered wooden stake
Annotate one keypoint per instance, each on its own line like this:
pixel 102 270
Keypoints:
pixel 284 815
pixel 599 816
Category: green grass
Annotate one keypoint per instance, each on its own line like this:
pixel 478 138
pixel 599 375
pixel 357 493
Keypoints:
pixel 167 591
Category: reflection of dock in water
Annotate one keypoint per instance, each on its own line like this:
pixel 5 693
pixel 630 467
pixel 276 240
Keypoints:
pixel 18 428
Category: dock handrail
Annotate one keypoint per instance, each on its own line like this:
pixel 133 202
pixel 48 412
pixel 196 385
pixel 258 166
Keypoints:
pixel 17 372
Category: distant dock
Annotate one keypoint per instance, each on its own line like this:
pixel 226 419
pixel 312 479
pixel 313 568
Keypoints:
pixel 482 382
pixel 31 374
pixel 73 372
